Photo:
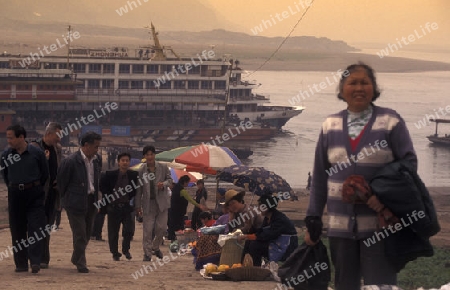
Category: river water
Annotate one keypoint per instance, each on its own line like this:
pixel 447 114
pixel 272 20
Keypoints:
pixel 412 95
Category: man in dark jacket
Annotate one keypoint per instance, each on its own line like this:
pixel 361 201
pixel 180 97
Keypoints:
pixel 118 187
pixel 53 152
pixel 25 171
pixel 77 180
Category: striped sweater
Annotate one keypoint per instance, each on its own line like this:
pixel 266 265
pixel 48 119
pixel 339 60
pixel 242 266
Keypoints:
pixel 384 139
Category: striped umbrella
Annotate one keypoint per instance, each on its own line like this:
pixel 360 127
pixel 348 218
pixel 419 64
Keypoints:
pixel 205 157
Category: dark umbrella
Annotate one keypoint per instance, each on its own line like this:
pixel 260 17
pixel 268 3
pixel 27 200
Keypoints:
pixel 255 179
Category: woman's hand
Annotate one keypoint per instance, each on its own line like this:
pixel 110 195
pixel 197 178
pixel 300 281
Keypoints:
pixel 308 240
pixel 242 237
pixel 375 204
pixel 202 207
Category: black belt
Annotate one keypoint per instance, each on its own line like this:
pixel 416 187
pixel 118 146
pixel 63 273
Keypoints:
pixel 23 186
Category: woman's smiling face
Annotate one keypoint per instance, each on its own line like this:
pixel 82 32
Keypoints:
pixel 357 90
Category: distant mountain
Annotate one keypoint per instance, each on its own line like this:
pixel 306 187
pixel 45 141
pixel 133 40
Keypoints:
pixel 29 34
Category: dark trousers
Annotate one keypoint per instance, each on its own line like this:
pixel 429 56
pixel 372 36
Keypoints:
pixel 50 214
pixel 352 260
pixel 81 226
pixel 257 249
pixel 175 223
pixel 195 221
pixel 119 215
pixel 27 224
pixel 58 218
pixel 98 225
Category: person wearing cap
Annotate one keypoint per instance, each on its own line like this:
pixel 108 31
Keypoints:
pixel 242 216
pixel 275 225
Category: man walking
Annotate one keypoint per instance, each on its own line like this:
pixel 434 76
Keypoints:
pixel 77 180
pixel 53 153
pixel 152 202
pixel 118 187
pixel 25 171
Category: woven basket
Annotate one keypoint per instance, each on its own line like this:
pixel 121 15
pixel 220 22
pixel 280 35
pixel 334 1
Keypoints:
pixel 186 237
pixel 248 274
pixel 231 252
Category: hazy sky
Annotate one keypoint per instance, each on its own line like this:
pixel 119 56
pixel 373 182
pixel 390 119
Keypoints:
pixel 353 21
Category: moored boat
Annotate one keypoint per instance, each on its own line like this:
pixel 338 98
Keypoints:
pixel 158 97
pixel 440 140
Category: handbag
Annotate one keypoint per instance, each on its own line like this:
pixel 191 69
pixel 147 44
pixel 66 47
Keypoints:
pixel 278 247
pixel 307 268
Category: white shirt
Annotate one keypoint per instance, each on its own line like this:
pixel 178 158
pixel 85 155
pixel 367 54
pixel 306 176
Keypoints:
pixel 90 171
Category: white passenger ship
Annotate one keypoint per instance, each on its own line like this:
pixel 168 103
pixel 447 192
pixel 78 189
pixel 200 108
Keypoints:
pixel 160 98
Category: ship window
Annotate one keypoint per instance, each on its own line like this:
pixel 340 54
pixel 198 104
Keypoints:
pixel 51 65
pixel 220 85
pixel 166 68
pixel 108 68
pixel 165 85
pixel 124 68
pixel 206 85
pixel 179 84
pixel 138 68
pixel 137 84
pixel 79 67
pixel 123 84
pixel 108 84
pixel 193 85
pixel 4 64
pixel 93 84
pixel 150 84
pixel 181 69
pixel 41 87
pixel 195 70
pixel 152 69
pixel 95 68
pixel 63 66
pixel 3 118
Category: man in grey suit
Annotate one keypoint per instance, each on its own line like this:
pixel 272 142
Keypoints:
pixel 152 202
pixel 77 181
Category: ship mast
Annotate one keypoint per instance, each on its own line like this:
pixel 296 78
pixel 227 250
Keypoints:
pixel 159 51
pixel 68 45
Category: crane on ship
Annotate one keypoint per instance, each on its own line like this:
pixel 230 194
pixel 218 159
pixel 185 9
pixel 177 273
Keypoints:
pixel 158 49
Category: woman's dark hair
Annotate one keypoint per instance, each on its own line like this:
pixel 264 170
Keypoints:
pixel 183 179
pixel 270 201
pixel 205 215
pixel 122 155
pixel 200 181
pixel 370 73
pixel 90 138
pixel 148 148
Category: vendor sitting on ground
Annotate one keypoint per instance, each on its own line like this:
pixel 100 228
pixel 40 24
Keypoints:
pixel 276 227
pixel 241 216
pixel 224 218
pixel 205 218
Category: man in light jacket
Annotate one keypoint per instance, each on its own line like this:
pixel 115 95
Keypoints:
pixel 152 202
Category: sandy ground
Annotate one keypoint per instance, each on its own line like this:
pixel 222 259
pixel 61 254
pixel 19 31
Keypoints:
pixel 177 273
